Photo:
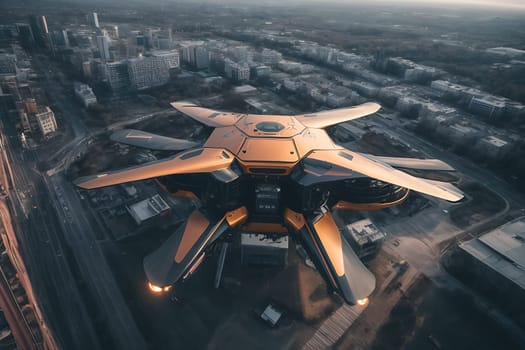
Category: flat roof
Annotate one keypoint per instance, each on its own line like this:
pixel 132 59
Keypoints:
pixel 262 240
pixel 493 140
pixel 148 208
pixel 502 249
pixel 364 231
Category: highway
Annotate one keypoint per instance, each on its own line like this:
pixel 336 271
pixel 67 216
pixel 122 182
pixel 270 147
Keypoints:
pixel 39 237
pixel 117 329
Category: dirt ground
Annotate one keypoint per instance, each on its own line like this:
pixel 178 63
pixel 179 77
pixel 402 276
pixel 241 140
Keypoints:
pixel 481 203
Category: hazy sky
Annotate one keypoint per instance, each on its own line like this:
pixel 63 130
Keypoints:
pixel 485 3
pixel 518 4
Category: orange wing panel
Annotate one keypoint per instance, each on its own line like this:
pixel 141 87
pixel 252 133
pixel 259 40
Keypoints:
pixel 196 226
pixel 194 161
pixel 330 237
pixel 229 138
pixel 207 116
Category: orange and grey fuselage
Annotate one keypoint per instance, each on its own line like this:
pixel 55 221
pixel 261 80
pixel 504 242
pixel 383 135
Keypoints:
pixel 272 173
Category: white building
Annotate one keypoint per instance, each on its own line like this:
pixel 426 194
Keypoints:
pixel 364 237
pixel 46 120
pixel 170 57
pixel 488 106
pixel 85 94
pixel 236 71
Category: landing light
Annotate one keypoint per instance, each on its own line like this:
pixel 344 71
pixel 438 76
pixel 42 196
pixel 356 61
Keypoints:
pixel 157 290
pixel 362 302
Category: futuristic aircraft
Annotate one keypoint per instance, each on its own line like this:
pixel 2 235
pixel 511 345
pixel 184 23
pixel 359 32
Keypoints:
pixel 272 173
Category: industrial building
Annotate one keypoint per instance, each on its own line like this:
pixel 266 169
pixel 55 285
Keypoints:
pixel 494 264
pixel 148 209
pixel 364 237
pixel 263 249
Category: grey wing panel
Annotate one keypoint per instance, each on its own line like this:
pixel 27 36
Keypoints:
pixel 144 139
pixel 413 163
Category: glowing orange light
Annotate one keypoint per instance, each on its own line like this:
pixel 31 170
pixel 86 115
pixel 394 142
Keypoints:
pixel 362 302
pixel 157 289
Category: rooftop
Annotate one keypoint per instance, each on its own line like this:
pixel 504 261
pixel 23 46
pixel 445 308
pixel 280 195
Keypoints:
pixel 502 249
pixel 493 140
pixel 364 231
pixel 262 240
pixel 148 208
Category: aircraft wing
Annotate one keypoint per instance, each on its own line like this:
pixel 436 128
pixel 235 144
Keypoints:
pixel 336 116
pixel 413 163
pixel 376 169
pixel 206 116
pixel 200 160
pixel 335 258
pixel 183 249
pixel 151 141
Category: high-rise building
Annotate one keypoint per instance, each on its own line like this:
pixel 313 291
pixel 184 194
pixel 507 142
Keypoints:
pixel 40 30
pixel 103 47
pixel 146 72
pixel 195 54
pixel 25 34
pixel 117 76
pixel 94 20
pixel 65 37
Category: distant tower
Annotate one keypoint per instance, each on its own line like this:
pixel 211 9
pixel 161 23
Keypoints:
pixel 103 47
pixel 26 34
pixel 94 20
pixel 116 32
pixel 65 37
pixel 40 30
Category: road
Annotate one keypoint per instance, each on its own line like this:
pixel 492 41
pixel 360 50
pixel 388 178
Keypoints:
pixel 117 327
pixel 42 248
